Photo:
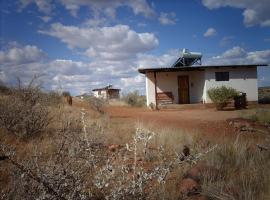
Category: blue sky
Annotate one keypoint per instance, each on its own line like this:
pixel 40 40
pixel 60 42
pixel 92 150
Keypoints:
pixel 78 45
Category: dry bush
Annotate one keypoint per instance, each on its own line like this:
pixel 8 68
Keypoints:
pixel 66 94
pixel 134 99
pixel 262 116
pixel 22 112
pixel 51 98
pixel 79 166
pixel 4 89
pixel 243 172
pixel 264 95
pixel 96 104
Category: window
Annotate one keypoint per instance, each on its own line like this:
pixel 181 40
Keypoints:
pixel 222 76
pixel 99 92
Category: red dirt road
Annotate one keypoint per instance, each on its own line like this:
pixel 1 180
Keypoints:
pixel 205 120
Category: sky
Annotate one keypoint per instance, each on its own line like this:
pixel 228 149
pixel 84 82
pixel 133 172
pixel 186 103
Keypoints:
pixel 79 45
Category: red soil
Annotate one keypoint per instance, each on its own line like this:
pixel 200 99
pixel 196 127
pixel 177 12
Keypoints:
pixel 205 120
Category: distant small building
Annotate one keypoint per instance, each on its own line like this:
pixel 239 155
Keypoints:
pixel 107 92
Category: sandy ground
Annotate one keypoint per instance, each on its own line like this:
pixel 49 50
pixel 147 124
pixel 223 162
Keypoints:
pixel 205 120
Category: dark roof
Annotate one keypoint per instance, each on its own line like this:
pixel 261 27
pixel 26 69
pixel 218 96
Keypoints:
pixel 106 88
pixel 195 68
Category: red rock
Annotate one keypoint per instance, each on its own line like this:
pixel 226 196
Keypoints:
pixel 114 147
pixel 188 187
pixel 241 124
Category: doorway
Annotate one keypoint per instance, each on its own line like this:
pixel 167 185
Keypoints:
pixel 183 89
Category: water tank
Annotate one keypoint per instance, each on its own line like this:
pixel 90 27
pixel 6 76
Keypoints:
pixel 188 59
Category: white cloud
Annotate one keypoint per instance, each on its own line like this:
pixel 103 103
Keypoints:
pixel 227 40
pixel 96 22
pixel 79 77
pixel 167 18
pixel 129 83
pixel 238 55
pixel 45 18
pixel 24 54
pixel 235 52
pixel 151 61
pixel 97 6
pixel 255 12
pixel 111 43
pixel 44 6
pixel 210 32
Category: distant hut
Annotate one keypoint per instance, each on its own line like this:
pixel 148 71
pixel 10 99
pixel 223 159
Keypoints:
pixel 107 92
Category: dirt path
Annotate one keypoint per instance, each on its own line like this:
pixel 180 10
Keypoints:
pixel 206 120
pixel 191 120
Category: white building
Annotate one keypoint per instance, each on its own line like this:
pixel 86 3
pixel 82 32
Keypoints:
pixel 107 92
pixel 189 84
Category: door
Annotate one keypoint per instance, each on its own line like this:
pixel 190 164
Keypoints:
pixel 183 89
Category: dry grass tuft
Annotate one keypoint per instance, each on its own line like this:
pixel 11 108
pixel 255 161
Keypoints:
pixel 244 172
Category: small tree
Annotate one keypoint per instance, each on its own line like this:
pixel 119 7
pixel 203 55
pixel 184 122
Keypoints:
pixel 24 112
pixel 96 104
pixel 221 96
pixel 66 94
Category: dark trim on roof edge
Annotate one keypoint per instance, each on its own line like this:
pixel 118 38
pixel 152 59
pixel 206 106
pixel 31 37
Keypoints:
pixel 195 68
pixel 98 89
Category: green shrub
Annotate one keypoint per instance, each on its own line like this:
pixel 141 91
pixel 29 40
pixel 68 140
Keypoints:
pixel 134 99
pixel 221 96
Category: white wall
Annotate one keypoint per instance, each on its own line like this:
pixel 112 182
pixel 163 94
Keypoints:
pixel 150 91
pixel 168 82
pixel 242 79
pixel 103 94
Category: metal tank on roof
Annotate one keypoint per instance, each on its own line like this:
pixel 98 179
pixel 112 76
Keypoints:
pixel 188 59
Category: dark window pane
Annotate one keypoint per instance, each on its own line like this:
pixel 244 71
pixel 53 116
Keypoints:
pixel 222 76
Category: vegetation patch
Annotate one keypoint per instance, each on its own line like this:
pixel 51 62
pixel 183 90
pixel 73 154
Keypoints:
pixel 221 96
pixel 25 112
pixel 264 95
pixel 134 99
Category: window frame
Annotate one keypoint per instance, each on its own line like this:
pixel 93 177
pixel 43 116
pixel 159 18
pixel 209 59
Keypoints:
pixel 222 76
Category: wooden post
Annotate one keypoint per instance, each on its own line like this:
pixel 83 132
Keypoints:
pixel 155 77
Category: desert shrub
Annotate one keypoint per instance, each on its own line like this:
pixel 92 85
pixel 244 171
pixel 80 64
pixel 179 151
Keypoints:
pixel 22 113
pixel 51 98
pixel 134 99
pixel 264 95
pixel 96 104
pixel 4 89
pixel 221 96
pixel 243 173
pixel 261 115
pixel 264 100
pixel 124 173
pixel 66 94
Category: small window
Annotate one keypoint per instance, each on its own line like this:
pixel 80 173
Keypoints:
pixel 99 92
pixel 222 76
